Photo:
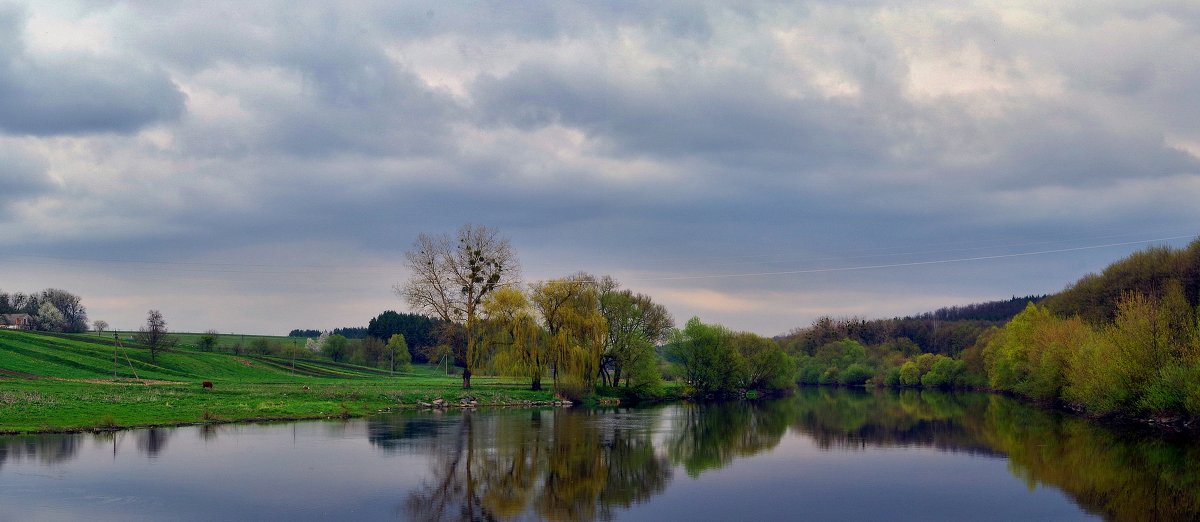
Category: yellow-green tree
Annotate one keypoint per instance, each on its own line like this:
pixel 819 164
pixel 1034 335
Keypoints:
pixel 398 350
pixel 1031 354
pixel 569 309
pixel 1143 363
pixel 516 338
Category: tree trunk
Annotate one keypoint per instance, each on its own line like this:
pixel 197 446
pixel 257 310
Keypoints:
pixel 616 376
pixel 537 383
pixel 466 378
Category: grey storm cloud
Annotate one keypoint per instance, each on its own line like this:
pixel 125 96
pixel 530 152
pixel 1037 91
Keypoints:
pixel 77 93
pixel 22 176
pixel 726 119
pixel 653 139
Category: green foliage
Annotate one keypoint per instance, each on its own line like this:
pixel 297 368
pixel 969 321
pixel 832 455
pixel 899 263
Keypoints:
pixel 947 331
pixel 520 345
pixel 569 309
pixel 1095 297
pixel 855 374
pixel 910 374
pixel 418 331
pixel 336 348
pixel 641 371
pixel 831 375
pixel 808 370
pixel 1030 355
pixel 767 366
pixel 207 341
pixel 635 324
pixel 945 373
pixel 1142 364
pixel 891 377
pixel 710 362
pixel 397 347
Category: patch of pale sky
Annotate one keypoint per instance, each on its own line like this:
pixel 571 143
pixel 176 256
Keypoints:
pixel 814 67
pixel 708 300
pixel 1189 144
pixel 61 27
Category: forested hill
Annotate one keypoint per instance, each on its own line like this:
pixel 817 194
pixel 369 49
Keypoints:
pixel 997 311
pixel 950 330
pixel 946 330
pixel 1095 296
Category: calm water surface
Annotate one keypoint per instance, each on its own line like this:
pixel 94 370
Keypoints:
pixel 824 454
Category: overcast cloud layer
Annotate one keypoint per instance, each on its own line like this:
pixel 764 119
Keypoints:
pixel 262 166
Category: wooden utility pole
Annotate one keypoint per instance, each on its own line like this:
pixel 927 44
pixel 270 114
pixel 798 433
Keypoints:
pixel 117 344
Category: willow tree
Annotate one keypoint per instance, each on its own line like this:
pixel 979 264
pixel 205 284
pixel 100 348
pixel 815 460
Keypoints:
pixel 450 279
pixel 515 336
pixel 576 330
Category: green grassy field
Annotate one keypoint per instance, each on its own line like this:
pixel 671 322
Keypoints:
pixel 65 382
pixel 224 341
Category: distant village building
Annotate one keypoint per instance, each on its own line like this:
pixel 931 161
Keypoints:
pixel 16 321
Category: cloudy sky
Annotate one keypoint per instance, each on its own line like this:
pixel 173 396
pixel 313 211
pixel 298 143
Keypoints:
pixel 262 166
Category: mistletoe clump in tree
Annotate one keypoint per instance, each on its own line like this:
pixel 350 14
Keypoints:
pixel 450 279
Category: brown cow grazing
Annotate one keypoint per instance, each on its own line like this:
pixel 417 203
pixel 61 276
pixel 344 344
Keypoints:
pixel 206 384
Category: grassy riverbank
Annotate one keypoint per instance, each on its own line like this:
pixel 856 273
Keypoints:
pixel 66 383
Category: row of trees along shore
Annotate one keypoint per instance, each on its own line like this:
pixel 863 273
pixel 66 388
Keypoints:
pixel 1122 343
pixel 580 331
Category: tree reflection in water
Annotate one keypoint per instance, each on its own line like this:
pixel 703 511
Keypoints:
pixel 589 464
pixel 710 436
pixel 1119 474
pixel 58 448
pixel 48 449
pixel 586 464
pixel 563 464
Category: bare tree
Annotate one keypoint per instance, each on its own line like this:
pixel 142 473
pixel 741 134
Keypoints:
pixel 99 326
pixel 450 279
pixel 154 334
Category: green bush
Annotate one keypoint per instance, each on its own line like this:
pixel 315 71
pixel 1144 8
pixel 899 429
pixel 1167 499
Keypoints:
pixel 830 376
pixel 891 377
pixel 944 373
pixel 910 374
pixel 855 374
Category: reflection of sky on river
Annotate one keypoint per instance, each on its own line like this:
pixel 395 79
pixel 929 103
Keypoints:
pixel 353 471
pixel 308 470
pixel 894 483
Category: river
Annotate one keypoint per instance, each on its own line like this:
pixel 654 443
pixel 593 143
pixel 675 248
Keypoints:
pixel 823 454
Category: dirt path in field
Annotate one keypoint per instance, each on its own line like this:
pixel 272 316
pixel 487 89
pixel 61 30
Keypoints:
pixel 21 375
pixel 119 381
pixel 11 374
